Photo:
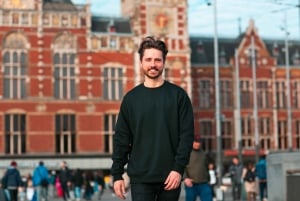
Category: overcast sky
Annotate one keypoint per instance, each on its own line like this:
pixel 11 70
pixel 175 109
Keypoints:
pixel 233 16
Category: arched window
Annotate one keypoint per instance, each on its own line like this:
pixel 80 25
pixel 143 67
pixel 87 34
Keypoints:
pixel 15 66
pixel 64 67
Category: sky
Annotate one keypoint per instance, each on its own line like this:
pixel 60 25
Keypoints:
pixel 274 19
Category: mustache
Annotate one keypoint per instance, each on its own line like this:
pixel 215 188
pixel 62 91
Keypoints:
pixel 153 68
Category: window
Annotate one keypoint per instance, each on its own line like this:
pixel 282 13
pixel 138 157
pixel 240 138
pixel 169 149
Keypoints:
pixel 103 42
pixel 113 43
pixel 265 132
pixel 64 76
pixel 207 135
pixel 226 94
pixel 109 129
pixel 263 95
pixel 280 94
pixel 64 67
pixel 113 83
pixel 65 133
pixel 205 92
pixel 245 94
pixel 6 18
pixel 252 58
pixel 46 19
pixel 296 94
pixel 282 134
pixel 15 66
pixel 246 130
pixel 226 131
pixel 297 136
pixel 15 18
pixel 25 19
pixel 15 133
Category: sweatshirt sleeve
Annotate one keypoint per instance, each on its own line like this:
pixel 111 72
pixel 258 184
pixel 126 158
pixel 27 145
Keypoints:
pixel 121 144
pixel 186 132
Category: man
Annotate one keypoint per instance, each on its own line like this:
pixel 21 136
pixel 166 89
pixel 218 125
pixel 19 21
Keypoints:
pixel 196 177
pixel 65 180
pixel 154 132
pixel 12 181
pixel 236 171
pixel 40 181
pixel 261 174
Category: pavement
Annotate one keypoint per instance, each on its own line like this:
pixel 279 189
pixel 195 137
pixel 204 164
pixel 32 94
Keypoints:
pixel 109 196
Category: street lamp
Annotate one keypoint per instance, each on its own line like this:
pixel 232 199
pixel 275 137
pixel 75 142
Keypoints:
pixel 255 116
pixel 217 99
pixel 288 88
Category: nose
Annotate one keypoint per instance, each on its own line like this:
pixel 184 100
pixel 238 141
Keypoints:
pixel 152 62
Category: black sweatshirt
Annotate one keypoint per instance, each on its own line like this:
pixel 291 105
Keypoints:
pixel 154 133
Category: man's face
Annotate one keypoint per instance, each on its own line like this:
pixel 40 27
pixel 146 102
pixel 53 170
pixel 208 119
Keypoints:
pixel 152 63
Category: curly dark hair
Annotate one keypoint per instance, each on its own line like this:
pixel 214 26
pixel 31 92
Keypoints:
pixel 151 42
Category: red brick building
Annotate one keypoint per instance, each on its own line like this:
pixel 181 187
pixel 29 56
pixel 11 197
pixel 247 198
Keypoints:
pixel 64 73
pixel 253 94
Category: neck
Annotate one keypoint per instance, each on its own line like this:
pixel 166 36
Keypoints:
pixel 150 83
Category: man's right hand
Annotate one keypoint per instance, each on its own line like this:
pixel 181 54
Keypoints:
pixel 119 188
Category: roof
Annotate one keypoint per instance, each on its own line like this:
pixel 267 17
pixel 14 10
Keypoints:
pixel 119 25
pixel 59 5
pixel 203 49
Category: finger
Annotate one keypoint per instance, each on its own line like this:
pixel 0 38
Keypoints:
pixel 121 195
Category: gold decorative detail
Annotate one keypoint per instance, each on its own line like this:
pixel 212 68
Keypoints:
pixel 16 3
pixel 161 20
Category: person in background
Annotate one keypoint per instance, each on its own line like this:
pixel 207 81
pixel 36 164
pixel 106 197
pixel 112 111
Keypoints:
pixel 261 174
pixel 154 132
pixel 40 181
pixel 77 181
pixel 51 187
pixel 99 184
pixel 12 181
pixel 29 187
pixel 212 177
pixel 249 181
pixel 88 188
pixel 196 177
pixel 65 179
pixel 235 171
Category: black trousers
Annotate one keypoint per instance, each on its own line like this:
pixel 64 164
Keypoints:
pixel 13 194
pixel 153 192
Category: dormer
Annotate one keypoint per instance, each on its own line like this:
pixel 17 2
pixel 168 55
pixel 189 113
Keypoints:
pixel 252 48
pixel 111 27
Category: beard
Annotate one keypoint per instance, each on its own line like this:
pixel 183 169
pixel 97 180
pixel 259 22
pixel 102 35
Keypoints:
pixel 153 73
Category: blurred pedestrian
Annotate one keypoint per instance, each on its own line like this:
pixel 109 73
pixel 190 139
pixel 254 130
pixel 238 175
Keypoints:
pixel 65 180
pixel 41 181
pixel 77 181
pixel 261 174
pixel 29 187
pixel 235 171
pixel 12 181
pixel 212 177
pixel 196 177
pixel 99 184
pixel 154 132
pixel 88 188
pixel 249 181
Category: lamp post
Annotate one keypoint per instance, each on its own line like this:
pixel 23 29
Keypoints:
pixel 217 104
pixel 288 88
pixel 238 107
pixel 255 116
